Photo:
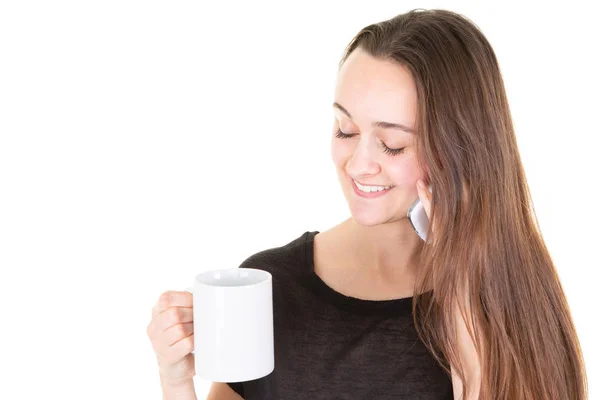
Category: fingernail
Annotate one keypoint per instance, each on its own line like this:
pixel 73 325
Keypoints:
pixel 420 184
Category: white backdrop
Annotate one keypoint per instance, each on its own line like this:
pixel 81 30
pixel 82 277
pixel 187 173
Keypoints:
pixel 143 142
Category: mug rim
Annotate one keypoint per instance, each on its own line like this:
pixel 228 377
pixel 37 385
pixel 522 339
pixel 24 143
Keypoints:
pixel 265 277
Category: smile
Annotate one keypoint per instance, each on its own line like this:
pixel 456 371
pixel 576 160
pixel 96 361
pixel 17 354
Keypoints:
pixel 370 191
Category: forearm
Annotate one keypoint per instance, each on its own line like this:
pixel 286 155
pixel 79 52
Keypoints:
pixel 180 391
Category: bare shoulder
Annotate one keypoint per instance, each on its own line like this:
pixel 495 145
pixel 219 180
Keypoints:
pixel 222 391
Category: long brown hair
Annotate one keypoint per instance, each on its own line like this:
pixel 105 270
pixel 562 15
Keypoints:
pixel 486 249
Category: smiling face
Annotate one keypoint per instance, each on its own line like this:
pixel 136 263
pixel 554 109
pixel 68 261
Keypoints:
pixel 374 101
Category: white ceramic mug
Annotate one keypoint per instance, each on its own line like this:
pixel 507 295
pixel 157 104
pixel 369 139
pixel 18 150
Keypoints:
pixel 233 324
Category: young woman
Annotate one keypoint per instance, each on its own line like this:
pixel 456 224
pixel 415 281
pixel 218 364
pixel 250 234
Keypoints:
pixel 367 309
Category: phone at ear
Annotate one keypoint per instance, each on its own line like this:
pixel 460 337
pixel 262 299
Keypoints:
pixel 418 218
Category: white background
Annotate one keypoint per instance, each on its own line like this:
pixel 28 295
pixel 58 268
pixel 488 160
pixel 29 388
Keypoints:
pixel 143 142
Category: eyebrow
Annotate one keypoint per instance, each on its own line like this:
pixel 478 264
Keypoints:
pixel 378 124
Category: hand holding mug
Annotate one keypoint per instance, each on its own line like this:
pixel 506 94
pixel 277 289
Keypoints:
pixel 171 332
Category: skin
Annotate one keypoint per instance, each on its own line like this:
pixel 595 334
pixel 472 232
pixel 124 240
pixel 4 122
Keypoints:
pixel 367 255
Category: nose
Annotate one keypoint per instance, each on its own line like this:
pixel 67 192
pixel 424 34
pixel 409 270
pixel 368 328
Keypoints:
pixel 364 161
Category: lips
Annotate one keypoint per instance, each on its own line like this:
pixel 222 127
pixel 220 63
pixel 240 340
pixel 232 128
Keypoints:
pixel 369 195
pixel 371 185
pixel 377 186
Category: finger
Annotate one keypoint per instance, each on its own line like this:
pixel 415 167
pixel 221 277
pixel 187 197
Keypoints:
pixel 425 197
pixel 177 332
pixel 172 298
pixel 182 347
pixel 169 318
pixel 186 344
pixel 176 351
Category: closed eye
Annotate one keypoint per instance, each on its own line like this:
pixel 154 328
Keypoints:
pixel 386 149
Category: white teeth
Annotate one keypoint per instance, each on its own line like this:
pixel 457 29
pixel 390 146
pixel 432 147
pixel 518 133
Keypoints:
pixel 370 189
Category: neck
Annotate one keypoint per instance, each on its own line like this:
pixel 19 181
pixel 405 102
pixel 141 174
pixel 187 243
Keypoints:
pixel 384 250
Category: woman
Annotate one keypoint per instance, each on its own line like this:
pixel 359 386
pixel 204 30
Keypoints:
pixel 367 309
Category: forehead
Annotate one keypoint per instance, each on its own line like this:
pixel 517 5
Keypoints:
pixel 376 89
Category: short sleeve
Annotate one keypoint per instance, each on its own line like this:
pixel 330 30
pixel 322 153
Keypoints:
pixel 238 387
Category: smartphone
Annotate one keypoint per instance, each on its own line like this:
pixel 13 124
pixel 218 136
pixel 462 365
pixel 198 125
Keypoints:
pixel 418 218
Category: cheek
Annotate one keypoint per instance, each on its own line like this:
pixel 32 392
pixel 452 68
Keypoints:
pixel 340 151
pixel 404 172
